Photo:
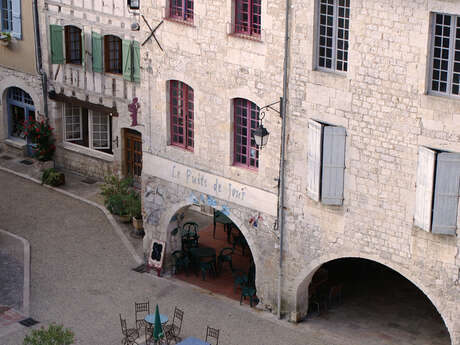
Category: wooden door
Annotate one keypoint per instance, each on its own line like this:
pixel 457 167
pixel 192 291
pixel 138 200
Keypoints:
pixel 133 149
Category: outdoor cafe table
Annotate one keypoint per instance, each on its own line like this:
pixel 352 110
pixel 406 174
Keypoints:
pixel 192 341
pixel 150 318
pixel 202 252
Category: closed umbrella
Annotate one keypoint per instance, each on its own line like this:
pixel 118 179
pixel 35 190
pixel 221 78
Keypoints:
pixel 157 329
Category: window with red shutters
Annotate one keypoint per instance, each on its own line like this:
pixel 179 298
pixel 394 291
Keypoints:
pixel 181 114
pixel 248 17
pixel 181 9
pixel 246 152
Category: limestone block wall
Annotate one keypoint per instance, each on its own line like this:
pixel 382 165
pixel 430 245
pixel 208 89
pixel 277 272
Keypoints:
pixel 27 82
pixel 111 90
pixel 163 199
pixel 218 66
pixel 383 104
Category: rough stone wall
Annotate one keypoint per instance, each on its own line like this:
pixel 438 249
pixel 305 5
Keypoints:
pixel 104 17
pixel 27 82
pixel 163 199
pixel 219 67
pixel 383 104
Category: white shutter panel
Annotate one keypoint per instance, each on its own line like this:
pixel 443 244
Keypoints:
pixel 424 188
pixel 333 165
pixel 17 25
pixel 315 131
pixel 445 202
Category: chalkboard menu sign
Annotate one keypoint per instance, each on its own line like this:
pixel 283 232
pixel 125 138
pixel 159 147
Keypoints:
pixel 157 250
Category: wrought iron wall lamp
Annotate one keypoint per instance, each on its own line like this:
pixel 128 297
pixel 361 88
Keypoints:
pixel 261 134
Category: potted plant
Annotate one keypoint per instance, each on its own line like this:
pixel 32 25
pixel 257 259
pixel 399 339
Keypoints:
pixel 40 133
pixel 119 205
pixel 136 213
pixel 53 177
pixel 5 38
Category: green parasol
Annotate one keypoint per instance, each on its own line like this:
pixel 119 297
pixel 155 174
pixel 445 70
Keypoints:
pixel 157 329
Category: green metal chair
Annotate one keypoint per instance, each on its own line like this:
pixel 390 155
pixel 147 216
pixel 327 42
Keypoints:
pixel 250 292
pixel 207 266
pixel 240 279
pixel 181 261
pixel 190 235
pixel 225 255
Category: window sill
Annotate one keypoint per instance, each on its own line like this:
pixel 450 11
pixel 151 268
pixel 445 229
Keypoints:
pixel 180 21
pixel 245 167
pixel 181 148
pixel 246 36
pixel 16 143
pixel 87 152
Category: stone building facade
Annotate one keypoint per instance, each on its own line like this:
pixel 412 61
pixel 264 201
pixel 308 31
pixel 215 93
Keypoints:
pixel 20 83
pixel 87 46
pixel 390 102
pixel 371 102
pixel 220 68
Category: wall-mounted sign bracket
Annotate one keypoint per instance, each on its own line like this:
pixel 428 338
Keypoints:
pixel 152 32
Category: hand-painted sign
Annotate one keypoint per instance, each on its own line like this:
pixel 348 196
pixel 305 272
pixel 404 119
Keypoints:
pixel 211 185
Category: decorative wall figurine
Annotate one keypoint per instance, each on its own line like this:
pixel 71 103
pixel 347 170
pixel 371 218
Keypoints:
pixel 133 109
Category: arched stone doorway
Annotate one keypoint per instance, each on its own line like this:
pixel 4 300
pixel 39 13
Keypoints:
pixel 363 299
pixel 20 108
pixel 215 252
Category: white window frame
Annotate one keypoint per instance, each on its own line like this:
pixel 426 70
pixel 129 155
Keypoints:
pixel 91 145
pixel 67 107
pixel 334 40
pixel 91 129
pixel 451 55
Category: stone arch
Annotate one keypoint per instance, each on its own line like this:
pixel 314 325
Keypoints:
pixel 22 84
pixel 172 209
pixel 4 87
pixel 303 279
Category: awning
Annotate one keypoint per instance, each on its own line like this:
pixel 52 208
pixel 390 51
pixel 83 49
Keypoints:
pixel 59 97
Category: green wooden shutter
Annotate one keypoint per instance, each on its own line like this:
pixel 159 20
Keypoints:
pixel 57 47
pixel 136 62
pixel 127 62
pixel 83 49
pixel 97 51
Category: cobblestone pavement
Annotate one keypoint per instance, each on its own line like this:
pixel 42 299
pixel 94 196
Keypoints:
pixel 11 282
pixel 81 277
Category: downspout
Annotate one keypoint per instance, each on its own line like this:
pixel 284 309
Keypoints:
pixel 38 59
pixel 282 154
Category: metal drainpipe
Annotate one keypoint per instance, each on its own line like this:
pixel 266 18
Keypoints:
pixel 283 148
pixel 38 59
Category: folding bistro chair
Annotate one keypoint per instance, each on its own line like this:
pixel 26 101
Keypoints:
pixel 142 310
pixel 173 329
pixel 129 334
pixel 212 333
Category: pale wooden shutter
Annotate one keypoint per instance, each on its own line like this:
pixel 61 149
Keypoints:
pixel 315 131
pixel 333 165
pixel 446 190
pixel 17 24
pixel 424 188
